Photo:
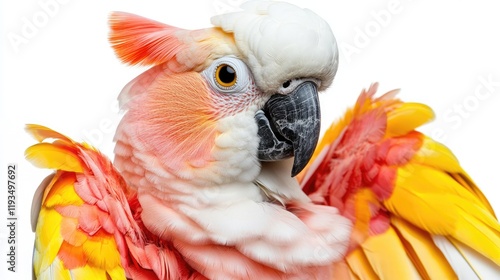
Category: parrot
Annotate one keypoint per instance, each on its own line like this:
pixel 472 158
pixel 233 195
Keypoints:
pixel 219 171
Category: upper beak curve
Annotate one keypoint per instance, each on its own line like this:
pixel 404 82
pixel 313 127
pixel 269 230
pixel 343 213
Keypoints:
pixel 289 125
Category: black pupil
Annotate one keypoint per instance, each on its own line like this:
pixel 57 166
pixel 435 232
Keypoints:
pixel 227 74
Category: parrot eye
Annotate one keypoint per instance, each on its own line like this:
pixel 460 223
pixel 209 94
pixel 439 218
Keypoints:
pixel 225 75
pixel 228 75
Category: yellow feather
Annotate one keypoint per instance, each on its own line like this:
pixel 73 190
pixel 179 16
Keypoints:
pixel 40 133
pixel 48 238
pixel 445 208
pixel 359 265
pixel 47 155
pixel 102 244
pixel 116 273
pixel 406 117
pixel 436 155
pixel 425 255
pixel 62 192
pixel 480 232
pixel 429 180
pixel 387 257
pixel 466 182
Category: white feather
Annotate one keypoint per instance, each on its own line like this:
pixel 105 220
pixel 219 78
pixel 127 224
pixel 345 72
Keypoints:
pixel 280 41
pixel 276 182
pixel 467 263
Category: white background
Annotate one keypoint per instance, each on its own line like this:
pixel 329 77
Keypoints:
pixel 62 73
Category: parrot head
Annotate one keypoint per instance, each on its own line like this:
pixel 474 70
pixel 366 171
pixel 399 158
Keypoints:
pixel 246 88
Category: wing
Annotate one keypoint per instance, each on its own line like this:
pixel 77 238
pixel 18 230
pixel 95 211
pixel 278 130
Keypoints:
pixel 86 221
pixel 416 212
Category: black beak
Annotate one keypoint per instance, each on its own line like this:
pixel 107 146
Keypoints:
pixel 289 125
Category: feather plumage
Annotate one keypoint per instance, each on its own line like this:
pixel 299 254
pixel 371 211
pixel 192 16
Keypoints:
pixel 402 188
pixel 85 227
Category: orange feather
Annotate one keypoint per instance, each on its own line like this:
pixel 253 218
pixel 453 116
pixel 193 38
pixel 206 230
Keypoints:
pixel 139 40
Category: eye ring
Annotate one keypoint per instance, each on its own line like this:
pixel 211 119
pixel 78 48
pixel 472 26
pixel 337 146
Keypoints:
pixel 226 76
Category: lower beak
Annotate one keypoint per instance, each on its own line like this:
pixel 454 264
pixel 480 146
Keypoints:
pixel 289 125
